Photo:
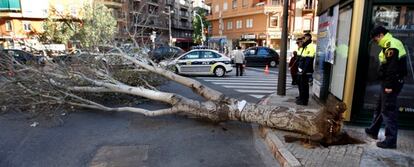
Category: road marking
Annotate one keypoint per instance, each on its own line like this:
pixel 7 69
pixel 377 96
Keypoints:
pixel 257 96
pixel 252 87
pixel 258 81
pixel 254 91
pixel 246 84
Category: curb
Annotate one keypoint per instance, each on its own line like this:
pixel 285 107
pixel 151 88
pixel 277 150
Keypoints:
pixel 276 146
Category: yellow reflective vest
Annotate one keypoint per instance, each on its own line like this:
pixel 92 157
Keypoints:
pixel 309 50
pixel 389 42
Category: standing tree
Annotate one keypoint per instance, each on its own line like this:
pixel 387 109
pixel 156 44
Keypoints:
pixel 197 34
pixel 95 26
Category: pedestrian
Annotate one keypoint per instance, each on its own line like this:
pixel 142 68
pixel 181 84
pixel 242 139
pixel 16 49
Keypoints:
pixel 393 69
pixel 238 60
pixel 293 63
pixel 293 67
pixel 305 69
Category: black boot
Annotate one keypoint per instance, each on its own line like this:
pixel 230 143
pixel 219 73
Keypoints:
pixel 371 134
pixel 385 144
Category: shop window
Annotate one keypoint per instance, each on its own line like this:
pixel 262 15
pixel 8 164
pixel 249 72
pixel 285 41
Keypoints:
pixel 274 21
pixel 337 81
pixel 9 26
pixel 399 20
pixel 229 25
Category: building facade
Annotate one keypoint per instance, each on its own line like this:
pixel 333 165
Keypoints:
pixel 20 20
pixel 164 17
pixel 257 22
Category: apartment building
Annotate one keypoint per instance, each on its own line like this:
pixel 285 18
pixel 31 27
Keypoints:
pixel 257 22
pixel 21 20
pixel 165 17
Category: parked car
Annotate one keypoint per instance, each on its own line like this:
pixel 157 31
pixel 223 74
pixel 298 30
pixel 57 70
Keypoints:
pixel 201 62
pixel 23 57
pixel 165 52
pixel 261 56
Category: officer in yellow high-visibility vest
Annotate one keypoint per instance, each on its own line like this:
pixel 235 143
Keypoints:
pixel 305 68
pixel 392 71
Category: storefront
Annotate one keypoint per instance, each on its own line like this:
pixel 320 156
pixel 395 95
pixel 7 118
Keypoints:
pixel 347 62
pixel 248 40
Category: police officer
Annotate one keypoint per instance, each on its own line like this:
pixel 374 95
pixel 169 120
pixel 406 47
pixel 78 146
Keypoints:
pixel 393 68
pixel 305 68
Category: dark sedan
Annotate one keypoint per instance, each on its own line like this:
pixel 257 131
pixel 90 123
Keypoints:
pixel 165 52
pixel 261 56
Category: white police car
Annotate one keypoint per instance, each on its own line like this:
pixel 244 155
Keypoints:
pixel 202 62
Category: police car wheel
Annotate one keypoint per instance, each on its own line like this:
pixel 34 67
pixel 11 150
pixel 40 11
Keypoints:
pixel 273 63
pixel 219 72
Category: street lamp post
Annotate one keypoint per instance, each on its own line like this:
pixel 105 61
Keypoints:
pixel 203 37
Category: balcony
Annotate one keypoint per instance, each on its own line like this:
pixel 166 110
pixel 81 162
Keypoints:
pixel 309 5
pixel 251 10
pixel 184 15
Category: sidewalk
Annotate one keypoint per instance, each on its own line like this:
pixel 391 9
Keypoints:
pixel 364 155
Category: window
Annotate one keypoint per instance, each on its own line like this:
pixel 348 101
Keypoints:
pixel 225 6
pixel 245 3
pixel 209 55
pixel 192 55
pixel 234 4
pixel 229 25
pixel 274 21
pixel 27 26
pixel 216 8
pixel 263 52
pixel 9 26
pixel 249 23
pixel 239 24
pixel 308 4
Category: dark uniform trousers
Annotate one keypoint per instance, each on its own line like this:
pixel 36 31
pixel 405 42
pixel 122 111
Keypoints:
pixel 387 111
pixel 303 86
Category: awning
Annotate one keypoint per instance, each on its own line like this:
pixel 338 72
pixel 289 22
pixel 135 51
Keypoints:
pixel 217 40
pixel 183 40
pixel 6 5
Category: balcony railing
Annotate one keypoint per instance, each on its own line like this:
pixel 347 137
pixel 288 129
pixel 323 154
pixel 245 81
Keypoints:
pixel 309 5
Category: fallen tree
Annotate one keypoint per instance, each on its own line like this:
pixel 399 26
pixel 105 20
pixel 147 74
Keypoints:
pixel 62 84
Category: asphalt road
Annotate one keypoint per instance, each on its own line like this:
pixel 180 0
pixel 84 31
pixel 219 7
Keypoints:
pixel 93 138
